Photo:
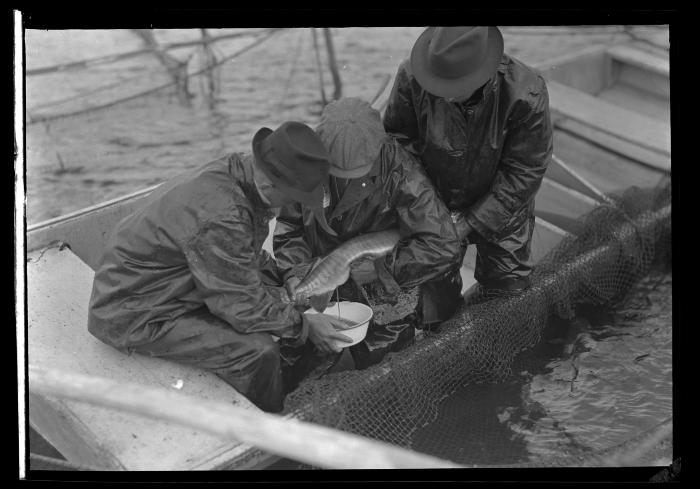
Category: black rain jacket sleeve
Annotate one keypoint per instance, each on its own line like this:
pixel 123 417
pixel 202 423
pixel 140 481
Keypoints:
pixel 226 273
pixel 294 255
pixel 524 159
pixel 430 247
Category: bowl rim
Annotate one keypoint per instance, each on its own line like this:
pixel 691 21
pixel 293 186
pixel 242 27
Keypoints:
pixel 364 322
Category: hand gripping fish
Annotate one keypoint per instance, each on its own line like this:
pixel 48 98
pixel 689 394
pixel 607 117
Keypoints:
pixel 334 269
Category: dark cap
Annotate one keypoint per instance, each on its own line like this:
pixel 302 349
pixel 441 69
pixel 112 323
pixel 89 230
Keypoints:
pixel 296 162
pixel 354 134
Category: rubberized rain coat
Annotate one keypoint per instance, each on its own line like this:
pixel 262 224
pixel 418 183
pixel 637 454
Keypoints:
pixel 185 277
pixel 486 156
pixel 395 193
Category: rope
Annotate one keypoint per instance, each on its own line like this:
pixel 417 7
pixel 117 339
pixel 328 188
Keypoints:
pixel 110 58
pixel 34 120
pixel 53 103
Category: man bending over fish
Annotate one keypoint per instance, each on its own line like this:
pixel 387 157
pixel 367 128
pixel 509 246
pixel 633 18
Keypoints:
pixel 185 277
pixel 479 121
pixel 375 185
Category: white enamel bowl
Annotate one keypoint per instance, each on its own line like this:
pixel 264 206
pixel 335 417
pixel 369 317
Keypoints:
pixel 355 312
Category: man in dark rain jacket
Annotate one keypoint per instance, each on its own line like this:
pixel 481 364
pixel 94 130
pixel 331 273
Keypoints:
pixel 479 120
pixel 185 277
pixel 375 184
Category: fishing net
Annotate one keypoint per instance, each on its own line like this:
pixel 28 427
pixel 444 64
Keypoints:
pixel 399 400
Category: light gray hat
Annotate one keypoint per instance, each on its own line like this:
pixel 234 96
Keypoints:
pixel 353 134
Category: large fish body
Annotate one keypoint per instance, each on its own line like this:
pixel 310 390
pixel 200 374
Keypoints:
pixel 334 269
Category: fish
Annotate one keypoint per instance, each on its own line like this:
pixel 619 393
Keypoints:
pixel 334 269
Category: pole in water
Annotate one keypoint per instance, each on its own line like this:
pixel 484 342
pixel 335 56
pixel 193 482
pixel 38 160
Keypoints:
pixel 319 67
pixel 338 90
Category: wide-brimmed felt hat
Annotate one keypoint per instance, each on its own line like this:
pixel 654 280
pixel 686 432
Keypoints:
pixel 296 162
pixel 354 134
pixel 452 62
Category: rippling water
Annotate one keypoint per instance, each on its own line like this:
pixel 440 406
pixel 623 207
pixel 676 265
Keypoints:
pixel 83 160
pixel 590 385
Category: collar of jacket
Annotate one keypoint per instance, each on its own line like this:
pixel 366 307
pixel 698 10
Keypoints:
pixel 358 190
pixel 491 86
pixel 241 168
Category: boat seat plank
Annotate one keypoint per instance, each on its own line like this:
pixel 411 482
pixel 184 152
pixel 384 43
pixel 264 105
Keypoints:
pixel 86 231
pixel 623 123
pixel 634 154
pixel 59 286
pixel 642 59
pixel 647 103
pixel 609 172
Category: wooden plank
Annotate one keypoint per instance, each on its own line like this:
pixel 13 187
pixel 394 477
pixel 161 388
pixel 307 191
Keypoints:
pixel 86 231
pixel 314 444
pixel 649 83
pixel 554 198
pixel 589 71
pixel 68 434
pixel 625 124
pixel 606 170
pixel 641 59
pixel 59 287
pixel 632 98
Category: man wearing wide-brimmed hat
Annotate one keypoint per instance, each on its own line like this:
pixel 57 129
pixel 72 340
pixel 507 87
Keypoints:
pixel 375 184
pixel 185 277
pixel 479 121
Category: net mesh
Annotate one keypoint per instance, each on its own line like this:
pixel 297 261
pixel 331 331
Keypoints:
pixel 614 248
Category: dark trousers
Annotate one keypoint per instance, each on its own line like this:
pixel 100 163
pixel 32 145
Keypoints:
pixel 391 335
pixel 382 339
pixel 502 265
pixel 248 362
pixel 503 260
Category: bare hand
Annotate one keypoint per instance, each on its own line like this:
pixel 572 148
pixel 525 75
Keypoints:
pixel 461 225
pixel 363 272
pixel 291 285
pixel 322 332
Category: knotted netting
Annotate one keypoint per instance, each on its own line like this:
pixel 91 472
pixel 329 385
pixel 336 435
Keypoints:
pixel 613 248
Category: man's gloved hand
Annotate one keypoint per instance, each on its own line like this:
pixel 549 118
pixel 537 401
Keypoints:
pixel 463 228
pixel 363 271
pixel 323 331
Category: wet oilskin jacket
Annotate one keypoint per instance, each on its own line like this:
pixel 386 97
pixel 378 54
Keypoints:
pixel 395 193
pixel 486 156
pixel 196 243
